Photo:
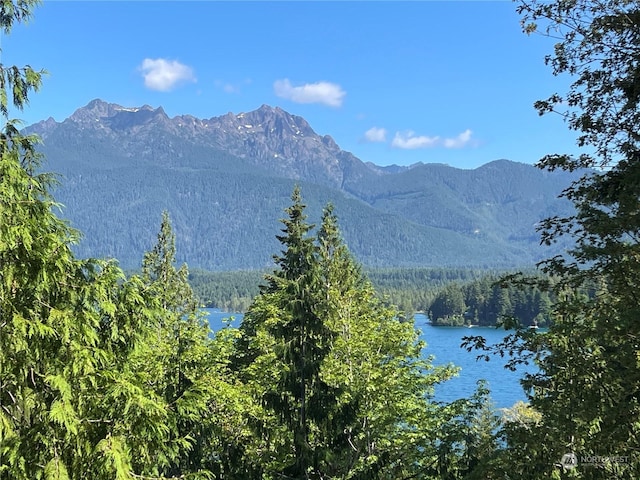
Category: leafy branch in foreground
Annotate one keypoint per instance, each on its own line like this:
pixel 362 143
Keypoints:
pixel 587 387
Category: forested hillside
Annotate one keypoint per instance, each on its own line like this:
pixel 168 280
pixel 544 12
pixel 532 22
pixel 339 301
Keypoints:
pixel 452 297
pixel 487 301
pixel 225 179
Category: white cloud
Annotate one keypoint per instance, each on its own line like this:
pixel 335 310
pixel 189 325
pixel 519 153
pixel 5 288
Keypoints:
pixel 324 93
pixel 164 75
pixel 409 141
pixel 375 134
pixel 460 141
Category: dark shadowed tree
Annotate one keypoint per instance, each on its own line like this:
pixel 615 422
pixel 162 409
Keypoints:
pixel 587 389
pixel 283 332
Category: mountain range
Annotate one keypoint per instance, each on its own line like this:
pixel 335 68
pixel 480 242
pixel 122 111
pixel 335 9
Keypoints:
pixel 226 180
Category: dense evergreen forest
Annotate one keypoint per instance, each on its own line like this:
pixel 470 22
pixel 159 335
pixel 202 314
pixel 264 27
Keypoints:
pixel 487 302
pixel 452 297
pixel 412 289
pixel 104 375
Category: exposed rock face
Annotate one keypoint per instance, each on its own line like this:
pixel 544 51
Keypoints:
pixel 268 137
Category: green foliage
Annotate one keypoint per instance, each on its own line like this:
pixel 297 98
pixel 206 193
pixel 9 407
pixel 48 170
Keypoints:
pixel 67 328
pixel 17 81
pixel 469 443
pixel 229 291
pixel 449 307
pixel 181 363
pixel 283 324
pixel 413 289
pixel 589 372
pixel 345 390
pixel 488 301
pixel 173 360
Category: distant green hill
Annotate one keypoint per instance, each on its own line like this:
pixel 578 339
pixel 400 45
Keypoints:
pixel 226 180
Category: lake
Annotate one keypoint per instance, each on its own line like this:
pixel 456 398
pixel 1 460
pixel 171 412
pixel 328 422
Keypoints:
pixel 444 344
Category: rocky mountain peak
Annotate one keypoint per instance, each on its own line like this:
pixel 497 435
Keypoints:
pixel 94 111
pixel 111 117
pixel 285 143
pixel 272 121
pixel 268 137
pixel 99 113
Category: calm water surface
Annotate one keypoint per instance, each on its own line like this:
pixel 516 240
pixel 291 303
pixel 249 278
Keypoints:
pixel 444 344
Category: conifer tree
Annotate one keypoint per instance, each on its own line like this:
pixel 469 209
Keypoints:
pixel 158 269
pixel 286 315
pixel 188 369
pixel 385 418
pixel 345 391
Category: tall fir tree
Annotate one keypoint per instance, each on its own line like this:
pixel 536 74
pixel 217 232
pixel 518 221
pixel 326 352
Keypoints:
pixel 385 417
pixel 182 364
pixel 286 315
pixel 159 270
pixel 319 347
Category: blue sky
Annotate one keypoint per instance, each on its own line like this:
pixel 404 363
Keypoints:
pixel 392 82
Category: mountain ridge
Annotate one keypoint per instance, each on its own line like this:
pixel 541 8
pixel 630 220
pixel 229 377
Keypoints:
pixel 259 136
pixel 231 175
